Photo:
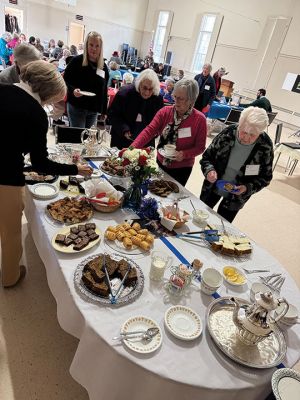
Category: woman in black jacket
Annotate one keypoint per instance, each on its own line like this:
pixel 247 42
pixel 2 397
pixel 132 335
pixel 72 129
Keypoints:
pixel 133 108
pixel 207 89
pixel 86 77
pixel 24 126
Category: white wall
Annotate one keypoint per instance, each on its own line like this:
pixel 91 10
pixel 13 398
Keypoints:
pixel 118 21
pixel 242 45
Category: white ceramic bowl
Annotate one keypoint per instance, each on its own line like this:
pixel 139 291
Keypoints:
pixel 258 287
pixel 238 271
pixel 211 280
pixel 291 317
pixel 200 217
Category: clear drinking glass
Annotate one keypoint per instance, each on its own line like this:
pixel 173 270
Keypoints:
pixel 159 262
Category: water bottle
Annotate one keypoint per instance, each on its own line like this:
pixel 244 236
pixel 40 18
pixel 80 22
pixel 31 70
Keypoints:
pixel 223 100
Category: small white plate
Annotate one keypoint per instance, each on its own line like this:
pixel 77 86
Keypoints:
pixel 69 249
pixel 136 344
pixel 286 384
pixel 84 93
pixel 183 322
pixel 163 153
pixel 237 270
pixel 44 191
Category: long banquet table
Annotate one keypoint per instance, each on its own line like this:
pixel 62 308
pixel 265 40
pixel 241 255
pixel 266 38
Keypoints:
pixel 178 370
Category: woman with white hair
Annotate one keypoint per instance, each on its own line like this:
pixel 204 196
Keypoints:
pixel 242 156
pixel 87 72
pixel 167 91
pixel 5 51
pixel 127 78
pixel 133 108
pixel 24 126
pixel 180 125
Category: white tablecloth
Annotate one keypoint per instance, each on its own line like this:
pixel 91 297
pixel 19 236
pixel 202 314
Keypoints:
pixel 177 370
pixel 294 154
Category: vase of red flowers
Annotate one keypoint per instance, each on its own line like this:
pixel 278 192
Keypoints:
pixel 141 165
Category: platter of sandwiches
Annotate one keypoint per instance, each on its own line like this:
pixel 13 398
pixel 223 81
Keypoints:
pixel 231 245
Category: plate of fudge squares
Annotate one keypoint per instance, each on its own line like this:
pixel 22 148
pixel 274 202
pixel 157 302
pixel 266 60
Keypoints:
pixel 125 278
pixel 76 238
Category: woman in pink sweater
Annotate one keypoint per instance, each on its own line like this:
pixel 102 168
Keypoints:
pixel 180 125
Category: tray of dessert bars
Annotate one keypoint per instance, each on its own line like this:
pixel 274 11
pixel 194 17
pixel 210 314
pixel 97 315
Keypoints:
pixel 97 276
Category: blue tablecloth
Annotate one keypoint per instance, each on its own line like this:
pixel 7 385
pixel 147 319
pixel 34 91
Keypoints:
pixel 218 110
pixel 135 74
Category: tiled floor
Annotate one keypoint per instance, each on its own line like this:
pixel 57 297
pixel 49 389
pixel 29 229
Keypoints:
pixel 35 353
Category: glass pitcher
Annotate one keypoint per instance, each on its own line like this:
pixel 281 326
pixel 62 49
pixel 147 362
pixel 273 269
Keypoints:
pixel 91 139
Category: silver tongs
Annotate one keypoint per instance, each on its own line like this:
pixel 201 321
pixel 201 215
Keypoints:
pixel 115 295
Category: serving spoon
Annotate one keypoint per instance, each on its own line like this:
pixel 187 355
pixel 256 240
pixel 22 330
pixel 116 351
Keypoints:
pixel 144 335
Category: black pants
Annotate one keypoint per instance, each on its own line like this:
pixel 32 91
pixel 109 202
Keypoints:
pixel 181 175
pixel 211 200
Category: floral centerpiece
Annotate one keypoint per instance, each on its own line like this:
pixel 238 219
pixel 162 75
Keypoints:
pixel 140 165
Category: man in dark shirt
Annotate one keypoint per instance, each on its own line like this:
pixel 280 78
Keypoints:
pixel 261 101
pixel 23 54
pixel 207 88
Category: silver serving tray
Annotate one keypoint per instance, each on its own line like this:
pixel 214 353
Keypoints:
pixel 128 295
pixel 266 354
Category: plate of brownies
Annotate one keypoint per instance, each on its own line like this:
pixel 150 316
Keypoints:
pixel 126 279
pixel 70 211
pixel 76 238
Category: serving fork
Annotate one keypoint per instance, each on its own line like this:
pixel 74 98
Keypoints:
pixel 254 271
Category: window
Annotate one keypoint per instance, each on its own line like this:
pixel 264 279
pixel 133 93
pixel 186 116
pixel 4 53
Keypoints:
pixel 160 33
pixel 206 29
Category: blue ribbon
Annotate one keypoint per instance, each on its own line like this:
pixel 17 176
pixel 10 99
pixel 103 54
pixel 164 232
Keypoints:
pixel 93 165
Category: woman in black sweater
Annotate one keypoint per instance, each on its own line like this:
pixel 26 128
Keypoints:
pixel 133 108
pixel 87 73
pixel 24 126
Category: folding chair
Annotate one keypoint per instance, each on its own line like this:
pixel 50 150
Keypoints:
pixel 233 116
pixel 271 116
pixel 67 134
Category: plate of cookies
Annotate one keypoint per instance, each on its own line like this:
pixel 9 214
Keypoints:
pixel 227 186
pixel 129 239
pixel 162 187
pixel 76 238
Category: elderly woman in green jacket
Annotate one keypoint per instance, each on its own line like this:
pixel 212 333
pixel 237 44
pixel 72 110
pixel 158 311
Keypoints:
pixel 242 155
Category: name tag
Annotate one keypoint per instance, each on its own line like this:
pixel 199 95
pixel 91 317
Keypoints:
pixel 206 87
pixel 252 169
pixel 184 133
pixel 100 72
pixel 138 118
